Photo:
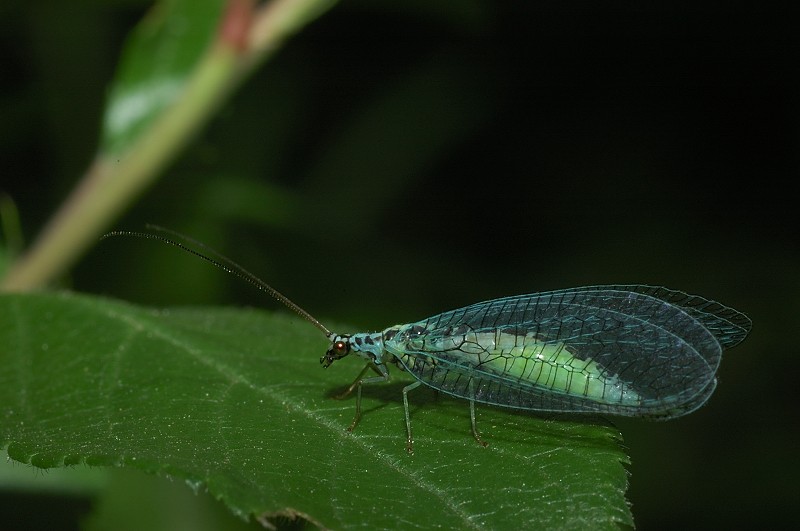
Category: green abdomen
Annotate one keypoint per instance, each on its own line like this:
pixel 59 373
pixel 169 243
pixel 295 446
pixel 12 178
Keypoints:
pixel 530 361
pixel 552 366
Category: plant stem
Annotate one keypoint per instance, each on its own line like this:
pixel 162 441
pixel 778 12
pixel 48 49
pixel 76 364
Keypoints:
pixel 112 183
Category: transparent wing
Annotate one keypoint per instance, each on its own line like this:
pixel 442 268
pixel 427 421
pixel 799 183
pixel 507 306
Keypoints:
pixel 628 350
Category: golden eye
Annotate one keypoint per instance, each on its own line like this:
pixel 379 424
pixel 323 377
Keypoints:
pixel 340 346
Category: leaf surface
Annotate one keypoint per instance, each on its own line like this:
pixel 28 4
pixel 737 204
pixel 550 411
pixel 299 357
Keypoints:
pixel 235 401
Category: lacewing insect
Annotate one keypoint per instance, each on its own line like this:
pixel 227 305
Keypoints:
pixel 629 350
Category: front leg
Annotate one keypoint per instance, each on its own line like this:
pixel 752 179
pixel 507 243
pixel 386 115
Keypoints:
pixel 383 376
pixel 344 394
pixel 410 440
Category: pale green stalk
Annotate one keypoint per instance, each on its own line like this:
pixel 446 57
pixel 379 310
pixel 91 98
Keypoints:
pixel 112 183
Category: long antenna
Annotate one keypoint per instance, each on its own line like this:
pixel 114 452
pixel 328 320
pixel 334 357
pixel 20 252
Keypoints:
pixel 222 262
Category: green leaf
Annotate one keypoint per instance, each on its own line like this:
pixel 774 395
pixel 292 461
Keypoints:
pixel 158 57
pixel 235 401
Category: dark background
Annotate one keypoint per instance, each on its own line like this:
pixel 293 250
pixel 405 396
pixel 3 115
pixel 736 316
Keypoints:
pixel 398 159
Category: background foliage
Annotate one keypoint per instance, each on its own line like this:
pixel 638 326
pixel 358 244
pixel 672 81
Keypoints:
pixel 398 159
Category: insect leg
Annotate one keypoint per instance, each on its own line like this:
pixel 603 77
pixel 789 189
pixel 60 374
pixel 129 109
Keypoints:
pixel 383 376
pixel 475 432
pixel 410 441
pixel 355 383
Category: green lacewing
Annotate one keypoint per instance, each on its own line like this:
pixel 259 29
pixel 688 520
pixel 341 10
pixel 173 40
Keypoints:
pixel 630 350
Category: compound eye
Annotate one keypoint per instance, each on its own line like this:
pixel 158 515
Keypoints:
pixel 338 350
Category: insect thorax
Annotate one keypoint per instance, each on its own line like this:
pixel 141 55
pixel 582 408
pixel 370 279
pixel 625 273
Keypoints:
pixel 368 345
